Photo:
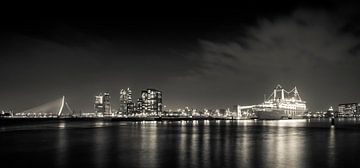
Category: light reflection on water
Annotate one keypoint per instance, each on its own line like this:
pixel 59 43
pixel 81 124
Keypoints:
pixel 61 146
pixel 239 143
pixel 101 146
pixel 332 147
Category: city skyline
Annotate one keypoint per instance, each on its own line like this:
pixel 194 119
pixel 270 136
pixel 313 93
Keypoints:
pixel 205 58
pixel 178 84
pixel 123 104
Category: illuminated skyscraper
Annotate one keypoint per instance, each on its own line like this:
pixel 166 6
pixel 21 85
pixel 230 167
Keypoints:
pixel 99 105
pixel 140 105
pixel 123 101
pixel 102 104
pixel 126 104
pixel 128 95
pixel 130 107
pixel 107 105
pixel 152 101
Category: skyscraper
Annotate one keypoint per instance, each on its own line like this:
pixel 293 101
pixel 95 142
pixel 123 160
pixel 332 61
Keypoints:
pixel 107 105
pixel 126 104
pixel 102 104
pixel 123 101
pixel 99 105
pixel 140 105
pixel 152 102
pixel 130 107
pixel 128 95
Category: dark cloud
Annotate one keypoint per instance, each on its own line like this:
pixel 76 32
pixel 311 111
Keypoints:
pixel 213 57
pixel 80 65
pixel 307 49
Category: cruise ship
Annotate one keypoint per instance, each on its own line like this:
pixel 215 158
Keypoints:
pixel 281 104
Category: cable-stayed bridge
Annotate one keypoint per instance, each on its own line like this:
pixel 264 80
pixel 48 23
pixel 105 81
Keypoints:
pixel 55 108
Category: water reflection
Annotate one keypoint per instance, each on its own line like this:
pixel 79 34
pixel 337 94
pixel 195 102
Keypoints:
pixel 62 125
pixel 244 146
pixel 99 124
pixel 203 144
pixel 100 145
pixel 61 145
pixel 331 147
pixel 295 140
pixel 235 143
pixel 194 144
pixel 283 123
pixel 146 141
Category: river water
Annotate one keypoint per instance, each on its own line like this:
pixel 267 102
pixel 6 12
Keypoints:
pixel 232 143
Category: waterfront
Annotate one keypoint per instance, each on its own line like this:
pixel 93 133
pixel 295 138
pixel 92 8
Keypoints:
pixel 225 143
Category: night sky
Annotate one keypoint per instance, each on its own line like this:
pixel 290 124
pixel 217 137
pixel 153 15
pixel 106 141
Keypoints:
pixel 200 57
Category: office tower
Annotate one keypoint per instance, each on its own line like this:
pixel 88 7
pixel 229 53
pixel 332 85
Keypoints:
pixel 99 104
pixel 139 105
pixel 152 102
pixel 126 104
pixel 107 105
pixel 123 101
pixel 102 104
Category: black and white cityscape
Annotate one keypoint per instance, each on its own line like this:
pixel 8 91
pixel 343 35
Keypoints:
pixel 281 104
pixel 256 84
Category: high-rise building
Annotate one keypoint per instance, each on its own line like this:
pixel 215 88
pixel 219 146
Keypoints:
pixel 99 105
pixel 102 104
pixel 152 101
pixel 130 108
pixel 126 104
pixel 140 105
pixel 123 101
pixel 128 94
pixel 107 105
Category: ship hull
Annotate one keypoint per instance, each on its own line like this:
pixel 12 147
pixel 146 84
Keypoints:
pixel 271 115
pixel 278 115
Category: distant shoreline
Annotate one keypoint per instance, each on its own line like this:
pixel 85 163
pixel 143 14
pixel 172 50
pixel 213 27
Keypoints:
pixel 2 120
pixel 17 121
